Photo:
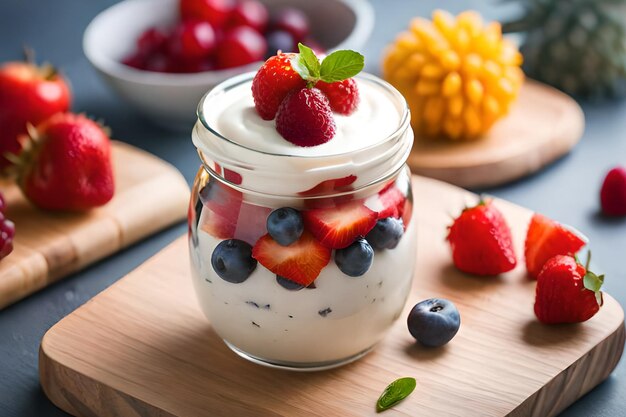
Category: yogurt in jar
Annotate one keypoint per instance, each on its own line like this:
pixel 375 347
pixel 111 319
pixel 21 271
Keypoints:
pixel 339 317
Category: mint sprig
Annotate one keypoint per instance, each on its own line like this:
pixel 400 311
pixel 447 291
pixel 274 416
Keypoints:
pixel 395 392
pixel 338 66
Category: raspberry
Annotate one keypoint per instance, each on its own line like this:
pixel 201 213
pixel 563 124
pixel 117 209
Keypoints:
pixel 273 82
pixel 343 95
pixel 304 118
pixel 613 193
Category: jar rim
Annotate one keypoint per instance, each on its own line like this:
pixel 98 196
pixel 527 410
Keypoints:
pixel 246 77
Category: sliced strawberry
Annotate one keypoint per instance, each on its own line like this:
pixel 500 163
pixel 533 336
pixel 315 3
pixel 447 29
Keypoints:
pixel 339 226
pixel 251 224
pixel 328 186
pixel 222 206
pixel 546 239
pixel 299 262
pixel 393 202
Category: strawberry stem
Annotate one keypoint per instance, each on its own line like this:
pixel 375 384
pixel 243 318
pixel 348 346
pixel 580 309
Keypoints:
pixel 588 260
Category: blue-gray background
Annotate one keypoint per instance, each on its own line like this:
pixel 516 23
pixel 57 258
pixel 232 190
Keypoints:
pixel 568 190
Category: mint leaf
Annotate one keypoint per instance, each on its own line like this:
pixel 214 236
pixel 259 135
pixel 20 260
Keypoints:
pixel 341 65
pixel 395 392
pixel 306 64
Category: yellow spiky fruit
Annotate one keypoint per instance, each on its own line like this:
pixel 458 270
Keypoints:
pixel 457 74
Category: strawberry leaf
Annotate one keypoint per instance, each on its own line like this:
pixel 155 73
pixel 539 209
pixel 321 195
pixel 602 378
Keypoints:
pixel 593 282
pixel 395 392
pixel 306 64
pixel 341 65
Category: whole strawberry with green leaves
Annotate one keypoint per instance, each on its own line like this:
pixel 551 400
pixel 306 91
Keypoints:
pixel 66 164
pixel 567 291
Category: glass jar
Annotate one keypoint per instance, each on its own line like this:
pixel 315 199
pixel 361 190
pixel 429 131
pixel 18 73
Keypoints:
pixel 348 307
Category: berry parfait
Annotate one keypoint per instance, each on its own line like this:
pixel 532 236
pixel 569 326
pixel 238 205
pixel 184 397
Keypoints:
pixel 301 236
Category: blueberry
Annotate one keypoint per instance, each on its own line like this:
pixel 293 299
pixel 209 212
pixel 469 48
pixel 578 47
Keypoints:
pixel 288 284
pixel 434 322
pixel 285 225
pixel 386 233
pixel 232 260
pixel 356 259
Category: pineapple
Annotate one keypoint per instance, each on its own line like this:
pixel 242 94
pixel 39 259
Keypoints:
pixel 578 46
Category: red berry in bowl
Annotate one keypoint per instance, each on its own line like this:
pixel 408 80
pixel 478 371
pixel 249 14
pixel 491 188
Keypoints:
pixel 7 232
pixel 305 118
pixel 293 21
pixel 192 39
pixel 216 12
pixel 343 95
pixel 271 84
pixel 135 60
pixel 280 40
pixel 151 41
pixel 250 13
pixel 613 192
pixel 240 46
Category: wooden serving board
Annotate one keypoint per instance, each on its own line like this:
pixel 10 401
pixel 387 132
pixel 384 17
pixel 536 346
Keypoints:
pixel 150 194
pixel 143 348
pixel 544 124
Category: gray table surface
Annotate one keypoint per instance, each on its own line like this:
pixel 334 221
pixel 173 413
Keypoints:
pixel 568 190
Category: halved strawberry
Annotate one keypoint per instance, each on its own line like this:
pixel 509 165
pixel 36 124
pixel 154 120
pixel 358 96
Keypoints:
pixel 546 239
pixel 338 227
pixel 299 262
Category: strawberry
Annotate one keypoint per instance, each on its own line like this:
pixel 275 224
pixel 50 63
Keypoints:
pixel 567 292
pixel 222 206
pixel 343 95
pixel 66 164
pixel 546 238
pixel 481 241
pixel 392 201
pixel 338 227
pixel 28 94
pixel 304 118
pixel 273 82
pixel 300 262
pixel 329 186
pixel 613 192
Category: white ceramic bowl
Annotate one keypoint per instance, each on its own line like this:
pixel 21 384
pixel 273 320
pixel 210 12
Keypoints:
pixel 170 100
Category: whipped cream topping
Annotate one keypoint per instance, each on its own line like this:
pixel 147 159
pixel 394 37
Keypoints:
pixel 370 144
pixel 375 118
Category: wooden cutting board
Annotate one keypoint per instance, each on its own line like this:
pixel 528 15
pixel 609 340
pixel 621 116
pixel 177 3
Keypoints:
pixel 150 194
pixel 143 348
pixel 544 124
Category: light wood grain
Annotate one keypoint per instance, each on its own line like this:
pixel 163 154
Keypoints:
pixel 150 195
pixel 143 348
pixel 543 125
